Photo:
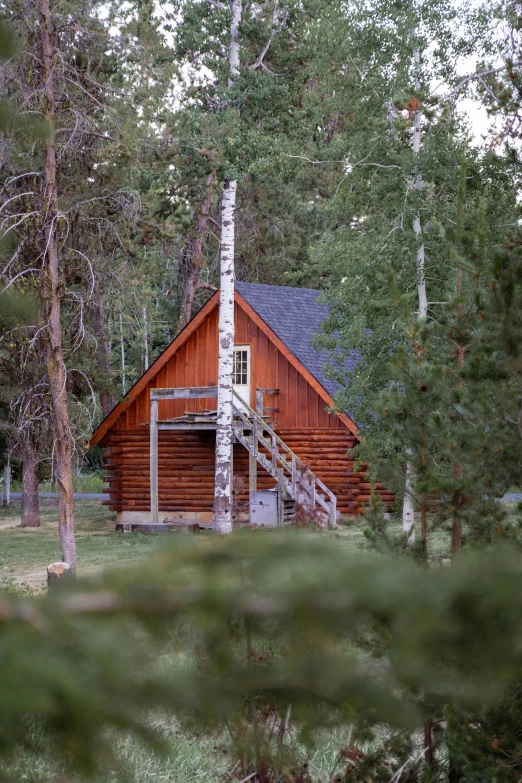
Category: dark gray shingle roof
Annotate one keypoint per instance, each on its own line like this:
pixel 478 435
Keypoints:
pixel 295 316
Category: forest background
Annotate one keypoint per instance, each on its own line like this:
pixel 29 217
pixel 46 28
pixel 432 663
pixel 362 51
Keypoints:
pixel 358 174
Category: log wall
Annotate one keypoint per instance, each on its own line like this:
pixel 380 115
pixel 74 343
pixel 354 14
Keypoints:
pixel 186 469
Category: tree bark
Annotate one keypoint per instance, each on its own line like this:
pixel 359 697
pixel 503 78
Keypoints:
pixel 417 227
pixel 408 505
pixel 103 355
pixel 429 756
pixel 454 770
pixel 122 348
pixel 145 340
pixel 52 292
pixel 196 254
pixel 222 522
pixel 224 435
pixel 458 470
pixel 30 502
pixel 408 522
pixel 6 493
pixel 57 573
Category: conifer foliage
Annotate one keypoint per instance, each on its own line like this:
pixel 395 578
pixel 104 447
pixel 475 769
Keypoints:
pixel 317 132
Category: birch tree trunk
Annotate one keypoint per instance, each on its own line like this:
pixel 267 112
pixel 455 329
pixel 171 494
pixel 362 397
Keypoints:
pixel 30 502
pixel 224 429
pixel 224 433
pixel 52 292
pixel 408 506
pixel 196 254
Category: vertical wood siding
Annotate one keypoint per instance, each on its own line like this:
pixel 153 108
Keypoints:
pixel 195 364
pixel 186 459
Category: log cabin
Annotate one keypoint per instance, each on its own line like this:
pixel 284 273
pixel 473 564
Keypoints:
pixel 286 434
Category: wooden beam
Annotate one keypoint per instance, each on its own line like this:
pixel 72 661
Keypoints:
pixel 154 515
pixel 259 402
pixel 187 426
pixel 191 392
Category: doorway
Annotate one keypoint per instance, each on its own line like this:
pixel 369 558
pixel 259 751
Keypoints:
pixel 241 375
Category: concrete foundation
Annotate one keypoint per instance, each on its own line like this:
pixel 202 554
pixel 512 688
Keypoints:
pixel 124 517
pixel 144 516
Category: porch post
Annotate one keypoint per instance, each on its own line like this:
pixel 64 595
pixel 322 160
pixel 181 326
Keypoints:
pixel 154 517
pixel 252 458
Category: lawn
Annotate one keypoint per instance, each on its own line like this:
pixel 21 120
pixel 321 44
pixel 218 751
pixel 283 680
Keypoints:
pixel 25 553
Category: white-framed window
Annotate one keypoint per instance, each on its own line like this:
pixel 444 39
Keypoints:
pixel 241 375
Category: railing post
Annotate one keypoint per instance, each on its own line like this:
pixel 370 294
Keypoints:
pixel 280 501
pixel 255 435
pixel 274 453
pixel 259 402
pixel 154 501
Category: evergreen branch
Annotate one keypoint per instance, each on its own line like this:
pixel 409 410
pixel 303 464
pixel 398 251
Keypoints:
pixel 13 198
pixel 10 180
pixel 20 274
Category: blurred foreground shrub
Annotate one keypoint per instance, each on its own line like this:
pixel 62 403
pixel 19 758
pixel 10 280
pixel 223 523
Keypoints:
pixel 210 629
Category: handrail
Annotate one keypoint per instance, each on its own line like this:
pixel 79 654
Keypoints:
pixel 263 423
pixel 308 480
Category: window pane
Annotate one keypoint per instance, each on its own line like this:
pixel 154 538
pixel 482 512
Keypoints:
pixel 240 367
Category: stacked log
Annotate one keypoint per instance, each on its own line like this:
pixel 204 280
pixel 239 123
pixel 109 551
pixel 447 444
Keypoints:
pixel 186 469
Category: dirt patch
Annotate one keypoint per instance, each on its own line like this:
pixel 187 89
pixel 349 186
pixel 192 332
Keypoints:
pixel 12 522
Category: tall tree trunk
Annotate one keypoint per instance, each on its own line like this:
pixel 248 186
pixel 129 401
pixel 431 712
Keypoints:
pixel 429 755
pixel 52 291
pixel 408 508
pixel 458 469
pixel 222 522
pixel 122 347
pixel 224 434
pixel 103 354
pixel 145 340
pixel 6 492
pixel 196 254
pixel 30 502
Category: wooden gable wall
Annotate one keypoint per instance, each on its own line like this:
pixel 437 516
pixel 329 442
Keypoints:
pixel 195 364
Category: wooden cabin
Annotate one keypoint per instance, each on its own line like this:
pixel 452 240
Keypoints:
pixel 277 374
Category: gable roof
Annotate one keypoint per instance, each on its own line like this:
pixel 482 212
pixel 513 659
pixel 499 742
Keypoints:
pixel 294 315
pixel 289 316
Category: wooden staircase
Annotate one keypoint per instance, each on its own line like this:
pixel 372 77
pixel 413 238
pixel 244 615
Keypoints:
pixel 294 478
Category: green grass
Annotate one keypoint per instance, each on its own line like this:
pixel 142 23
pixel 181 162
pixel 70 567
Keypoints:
pixel 25 553
pixel 85 483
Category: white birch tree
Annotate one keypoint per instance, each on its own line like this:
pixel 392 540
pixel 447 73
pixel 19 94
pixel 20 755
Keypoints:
pixel 408 506
pixel 222 522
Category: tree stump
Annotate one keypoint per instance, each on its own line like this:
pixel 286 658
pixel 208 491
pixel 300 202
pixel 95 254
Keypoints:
pixel 56 573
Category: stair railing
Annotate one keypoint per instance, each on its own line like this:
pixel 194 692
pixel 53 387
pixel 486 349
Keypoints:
pixel 299 475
